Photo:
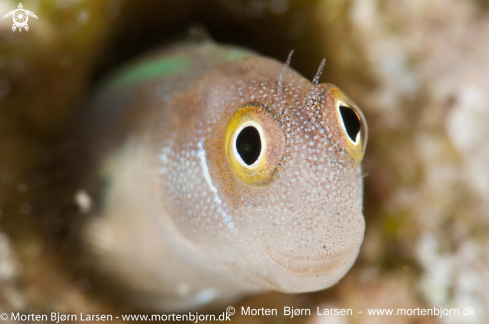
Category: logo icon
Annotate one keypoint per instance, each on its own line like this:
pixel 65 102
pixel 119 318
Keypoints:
pixel 21 16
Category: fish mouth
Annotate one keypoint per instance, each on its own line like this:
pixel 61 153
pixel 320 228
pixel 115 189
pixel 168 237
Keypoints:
pixel 312 267
pixel 291 275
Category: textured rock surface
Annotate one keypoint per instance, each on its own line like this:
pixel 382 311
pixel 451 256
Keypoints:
pixel 421 73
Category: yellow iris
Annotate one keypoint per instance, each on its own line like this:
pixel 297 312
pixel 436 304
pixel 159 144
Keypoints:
pixel 352 122
pixel 254 144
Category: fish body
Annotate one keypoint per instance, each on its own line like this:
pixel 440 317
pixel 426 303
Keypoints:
pixel 221 179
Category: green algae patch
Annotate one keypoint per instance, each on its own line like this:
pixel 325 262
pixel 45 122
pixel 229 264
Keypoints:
pixel 235 54
pixel 149 70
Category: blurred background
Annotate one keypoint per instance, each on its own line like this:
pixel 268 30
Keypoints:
pixel 419 70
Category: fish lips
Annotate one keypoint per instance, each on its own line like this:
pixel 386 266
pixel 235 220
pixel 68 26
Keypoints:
pixel 296 276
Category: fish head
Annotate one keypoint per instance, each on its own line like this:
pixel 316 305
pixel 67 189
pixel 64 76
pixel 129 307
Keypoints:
pixel 281 168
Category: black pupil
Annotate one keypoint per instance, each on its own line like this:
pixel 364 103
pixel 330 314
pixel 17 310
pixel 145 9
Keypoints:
pixel 351 122
pixel 248 145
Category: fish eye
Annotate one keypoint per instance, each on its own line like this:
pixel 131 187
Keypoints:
pixel 354 125
pixel 248 145
pixel 351 122
pixel 254 144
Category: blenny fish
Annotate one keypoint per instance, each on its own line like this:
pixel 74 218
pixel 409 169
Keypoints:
pixel 220 173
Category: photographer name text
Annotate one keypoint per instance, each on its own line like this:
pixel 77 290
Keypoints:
pixel 57 317
pixel 292 312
